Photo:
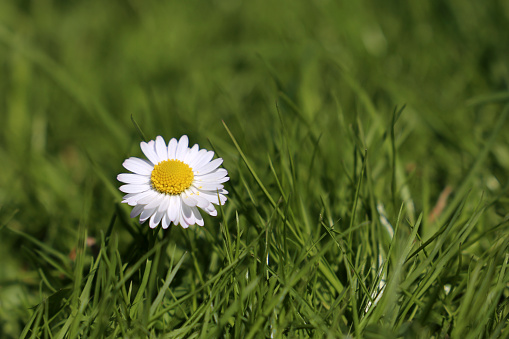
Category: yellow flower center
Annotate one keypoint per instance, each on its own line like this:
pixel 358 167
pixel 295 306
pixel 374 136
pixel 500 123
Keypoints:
pixel 171 177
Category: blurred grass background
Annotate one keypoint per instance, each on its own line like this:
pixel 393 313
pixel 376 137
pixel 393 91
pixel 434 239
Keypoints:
pixel 72 73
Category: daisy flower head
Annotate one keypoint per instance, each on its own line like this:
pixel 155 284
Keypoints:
pixel 174 181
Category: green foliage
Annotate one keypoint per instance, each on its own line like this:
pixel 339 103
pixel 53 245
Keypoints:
pixel 366 144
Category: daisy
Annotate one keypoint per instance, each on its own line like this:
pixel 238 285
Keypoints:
pixel 174 181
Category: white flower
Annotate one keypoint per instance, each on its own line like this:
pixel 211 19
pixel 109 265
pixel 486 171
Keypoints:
pixel 173 183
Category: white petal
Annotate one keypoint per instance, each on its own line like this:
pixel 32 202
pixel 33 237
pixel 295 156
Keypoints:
pixel 172 148
pixel 201 158
pixel 217 181
pixel 168 211
pixel 186 216
pixel 191 154
pixel 165 203
pixel 156 219
pixel 212 197
pixel 201 202
pixel 177 218
pixel 189 200
pixel 208 167
pixel 204 198
pixel 136 211
pixel 132 198
pixel 161 149
pixel 215 192
pixel 174 208
pixel 128 196
pixel 217 174
pixel 182 148
pixel 156 202
pixel 149 151
pixel 147 213
pixel 211 210
pixel 166 221
pixel 197 157
pixel 129 178
pixel 131 188
pixel 205 186
pixel 222 199
pixel 148 198
pixel 197 216
pixel 189 216
pixel 138 166
pixel 225 179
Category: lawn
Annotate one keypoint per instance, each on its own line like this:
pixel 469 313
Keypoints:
pixel 366 144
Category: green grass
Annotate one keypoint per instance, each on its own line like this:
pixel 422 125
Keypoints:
pixel 366 143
